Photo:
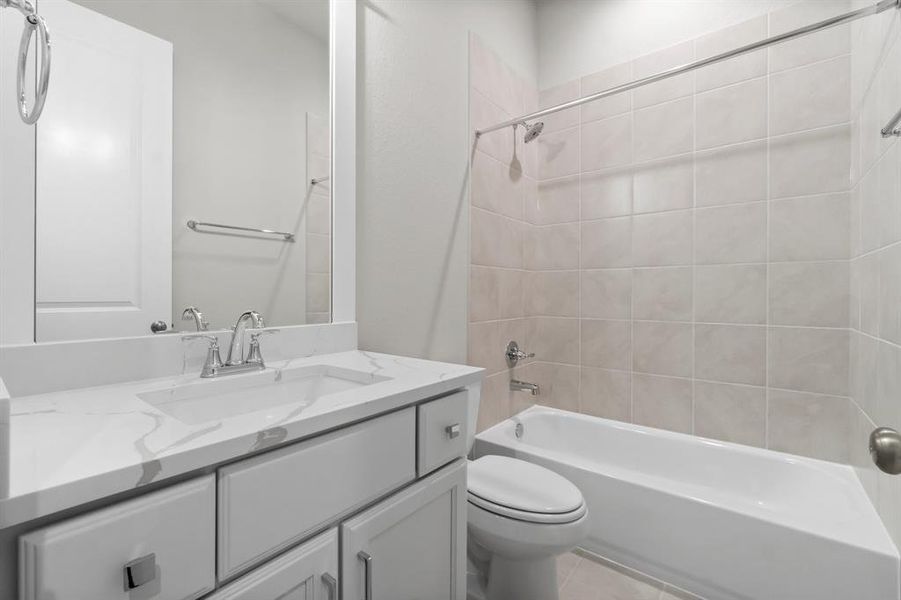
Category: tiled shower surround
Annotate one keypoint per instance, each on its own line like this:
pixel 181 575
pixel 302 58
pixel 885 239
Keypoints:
pixel 679 256
pixel 875 253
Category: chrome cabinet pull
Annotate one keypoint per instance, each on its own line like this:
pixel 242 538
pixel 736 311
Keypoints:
pixel 452 431
pixel 367 564
pixel 332 584
pixel 139 571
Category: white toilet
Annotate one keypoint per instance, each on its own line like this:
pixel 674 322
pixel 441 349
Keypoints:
pixel 521 517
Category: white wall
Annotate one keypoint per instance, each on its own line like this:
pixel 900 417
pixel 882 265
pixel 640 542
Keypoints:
pixel 245 79
pixel 413 151
pixel 576 37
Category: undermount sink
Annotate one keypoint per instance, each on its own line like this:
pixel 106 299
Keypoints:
pixel 205 401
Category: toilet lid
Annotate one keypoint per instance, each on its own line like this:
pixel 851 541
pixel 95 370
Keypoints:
pixel 522 486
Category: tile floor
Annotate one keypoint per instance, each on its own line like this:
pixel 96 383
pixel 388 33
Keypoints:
pixel 582 576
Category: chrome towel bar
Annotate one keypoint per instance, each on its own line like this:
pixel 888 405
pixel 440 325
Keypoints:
pixel 34 25
pixel 192 224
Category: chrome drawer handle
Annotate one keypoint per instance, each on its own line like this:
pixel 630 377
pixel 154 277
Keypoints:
pixel 452 431
pixel 367 564
pixel 139 571
pixel 332 584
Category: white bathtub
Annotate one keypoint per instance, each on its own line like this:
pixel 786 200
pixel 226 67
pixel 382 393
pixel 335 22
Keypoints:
pixel 720 520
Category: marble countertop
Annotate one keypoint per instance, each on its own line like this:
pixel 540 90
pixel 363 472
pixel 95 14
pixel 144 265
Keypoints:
pixel 72 447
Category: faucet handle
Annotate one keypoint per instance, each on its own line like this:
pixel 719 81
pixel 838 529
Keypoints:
pixel 254 356
pixel 213 362
pixel 514 354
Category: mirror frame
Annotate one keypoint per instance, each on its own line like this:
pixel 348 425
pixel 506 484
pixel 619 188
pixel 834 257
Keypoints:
pixel 17 176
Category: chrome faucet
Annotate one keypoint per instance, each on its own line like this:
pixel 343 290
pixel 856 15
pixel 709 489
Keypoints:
pixel 519 386
pixel 192 312
pixel 236 348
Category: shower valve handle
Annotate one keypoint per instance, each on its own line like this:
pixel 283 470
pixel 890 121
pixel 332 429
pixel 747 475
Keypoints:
pixel 514 354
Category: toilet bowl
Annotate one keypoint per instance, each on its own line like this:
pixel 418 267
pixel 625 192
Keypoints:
pixel 521 516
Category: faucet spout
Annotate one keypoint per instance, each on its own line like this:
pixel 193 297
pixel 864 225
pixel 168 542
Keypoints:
pixel 524 386
pixel 236 348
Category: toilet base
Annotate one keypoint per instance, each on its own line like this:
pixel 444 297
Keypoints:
pixel 529 579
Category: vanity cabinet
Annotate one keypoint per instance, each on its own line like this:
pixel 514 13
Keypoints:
pixel 374 510
pixel 308 572
pixel 411 546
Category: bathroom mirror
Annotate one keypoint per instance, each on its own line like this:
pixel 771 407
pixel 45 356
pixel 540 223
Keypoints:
pixel 183 160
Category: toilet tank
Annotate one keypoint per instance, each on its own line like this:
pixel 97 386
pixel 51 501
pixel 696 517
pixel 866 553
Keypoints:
pixel 472 414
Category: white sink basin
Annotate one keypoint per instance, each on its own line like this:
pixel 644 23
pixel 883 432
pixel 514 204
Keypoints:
pixel 234 395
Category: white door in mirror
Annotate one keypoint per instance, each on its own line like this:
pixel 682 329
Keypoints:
pixel 104 180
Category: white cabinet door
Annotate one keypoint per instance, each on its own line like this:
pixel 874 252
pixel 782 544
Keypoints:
pixel 309 572
pixel 103 197
pixel 411 546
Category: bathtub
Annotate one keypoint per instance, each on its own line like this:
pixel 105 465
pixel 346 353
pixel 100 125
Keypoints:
pixel 720 520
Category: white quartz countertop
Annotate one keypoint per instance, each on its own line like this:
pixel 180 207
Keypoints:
pixel 72 447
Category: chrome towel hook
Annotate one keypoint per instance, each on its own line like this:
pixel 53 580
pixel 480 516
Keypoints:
pixel 34 25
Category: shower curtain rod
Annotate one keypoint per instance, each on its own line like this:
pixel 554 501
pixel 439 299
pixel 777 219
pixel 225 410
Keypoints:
pixel 874 9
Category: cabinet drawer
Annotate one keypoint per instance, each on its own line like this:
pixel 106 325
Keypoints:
pixel 85 558
pixel 271 501
pixel 308 571
pixel 443 429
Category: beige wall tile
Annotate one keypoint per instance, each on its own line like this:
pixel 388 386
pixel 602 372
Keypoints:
pixel 497 241
pixel 810 360
pixel 717 114
pixel 557 201
pixel 810 228
pixel 484 113
pixel 662 402
pixel 733 413
pixel 809 424
pixel 483 293
pixel 552 247
pixel 731 234
pixel 663 185
pixel 606 243
pixel 890 294
pixel 811 48
pixel 662 348
pixel 558 95
pixel 823 155
pixel 730 294
pixel 650 64
pixel 318 292
pixel 510 293
pixel 662 239
pixel 814 294
pixel 737 69
pixel 606 344
pixel 558 153
pixel 731 175
pixel 731 353
pixel 811 96
pixel 664 130
pixel 559 385
pixel 662 294
pixel 604 80
pixel 319 249
pixel 606 143
pixel 605 393
pixel 553 339
pixel 553 293
pixel 606 193
pixel 606 294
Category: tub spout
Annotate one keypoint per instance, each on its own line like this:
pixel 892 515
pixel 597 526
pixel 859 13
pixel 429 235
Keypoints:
pixel 520 386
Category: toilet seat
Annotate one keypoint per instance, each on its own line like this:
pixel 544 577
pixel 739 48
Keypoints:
pixel 523 491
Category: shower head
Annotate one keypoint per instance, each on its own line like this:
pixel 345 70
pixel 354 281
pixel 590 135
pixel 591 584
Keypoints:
pixel 532 131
